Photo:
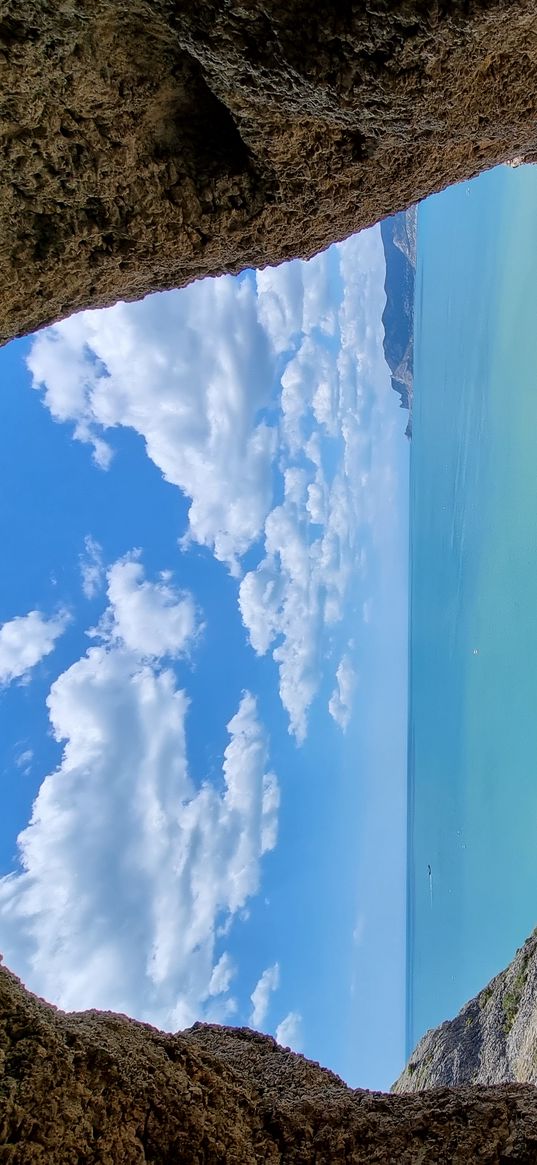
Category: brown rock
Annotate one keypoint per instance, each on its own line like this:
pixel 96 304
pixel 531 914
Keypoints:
pixel 146 142
pixel 99 1088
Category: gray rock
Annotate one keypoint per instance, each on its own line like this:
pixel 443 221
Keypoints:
pixel 493 1039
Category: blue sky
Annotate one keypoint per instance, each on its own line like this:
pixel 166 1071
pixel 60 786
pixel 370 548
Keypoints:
pixel 203 660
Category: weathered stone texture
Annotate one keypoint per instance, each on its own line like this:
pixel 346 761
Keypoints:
pixel 493 1039
pixel 147 142
pixel 98 1088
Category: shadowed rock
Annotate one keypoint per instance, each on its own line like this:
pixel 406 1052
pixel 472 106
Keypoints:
pixel 144 143
pixel 493 1039
pixel 100 1088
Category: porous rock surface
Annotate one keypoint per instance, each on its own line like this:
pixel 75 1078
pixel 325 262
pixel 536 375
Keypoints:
pixel 493 1040
pixel 99 1088
pixel 144 143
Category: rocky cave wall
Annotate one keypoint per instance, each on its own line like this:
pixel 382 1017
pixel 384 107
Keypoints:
pixel 99 1089
pixel 144 143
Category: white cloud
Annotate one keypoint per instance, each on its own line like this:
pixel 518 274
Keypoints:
pixel 334 380
pixel 284 462
pixel 92 567
pixel 151 619
pixel 27 639
pixel 222 974
pixel 299 589
pixel 340 702
pixel 24 761
pixel 289 1031
pixel 260 997
pixel 129 867
pixel 280 296
pixel 188 371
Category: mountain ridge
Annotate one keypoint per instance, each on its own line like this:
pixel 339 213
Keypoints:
pixel 399 239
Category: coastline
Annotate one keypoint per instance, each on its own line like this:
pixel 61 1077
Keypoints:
pixel 411 790
pixel 399 240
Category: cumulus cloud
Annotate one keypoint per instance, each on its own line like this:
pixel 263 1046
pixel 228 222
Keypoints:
pixel 151 619
pixel 269 429
pixel 298 591
pixel 188 371
pixel 289 1032
pixel 130 867
pixel 27 639
pixel 260 997
pixel 340 702
pixel 92 567
pixel 334 379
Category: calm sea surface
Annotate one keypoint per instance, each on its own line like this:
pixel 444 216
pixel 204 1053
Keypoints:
pixel 473 639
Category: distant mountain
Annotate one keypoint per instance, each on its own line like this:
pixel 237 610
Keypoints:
pixel 493 1040
pixel 399 241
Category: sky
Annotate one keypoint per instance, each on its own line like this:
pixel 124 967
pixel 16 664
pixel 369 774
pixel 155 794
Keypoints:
pixel 203 661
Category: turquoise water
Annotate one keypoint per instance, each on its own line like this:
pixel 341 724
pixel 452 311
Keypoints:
pixel 473 637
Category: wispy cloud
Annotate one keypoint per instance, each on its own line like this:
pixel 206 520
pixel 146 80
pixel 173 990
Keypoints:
pixel 92 567
pixel 268 982
pixel 27 639
pixel 24 760
pixel 130 866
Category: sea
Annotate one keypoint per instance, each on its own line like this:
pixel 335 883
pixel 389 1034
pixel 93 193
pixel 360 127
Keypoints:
pixel 472 771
